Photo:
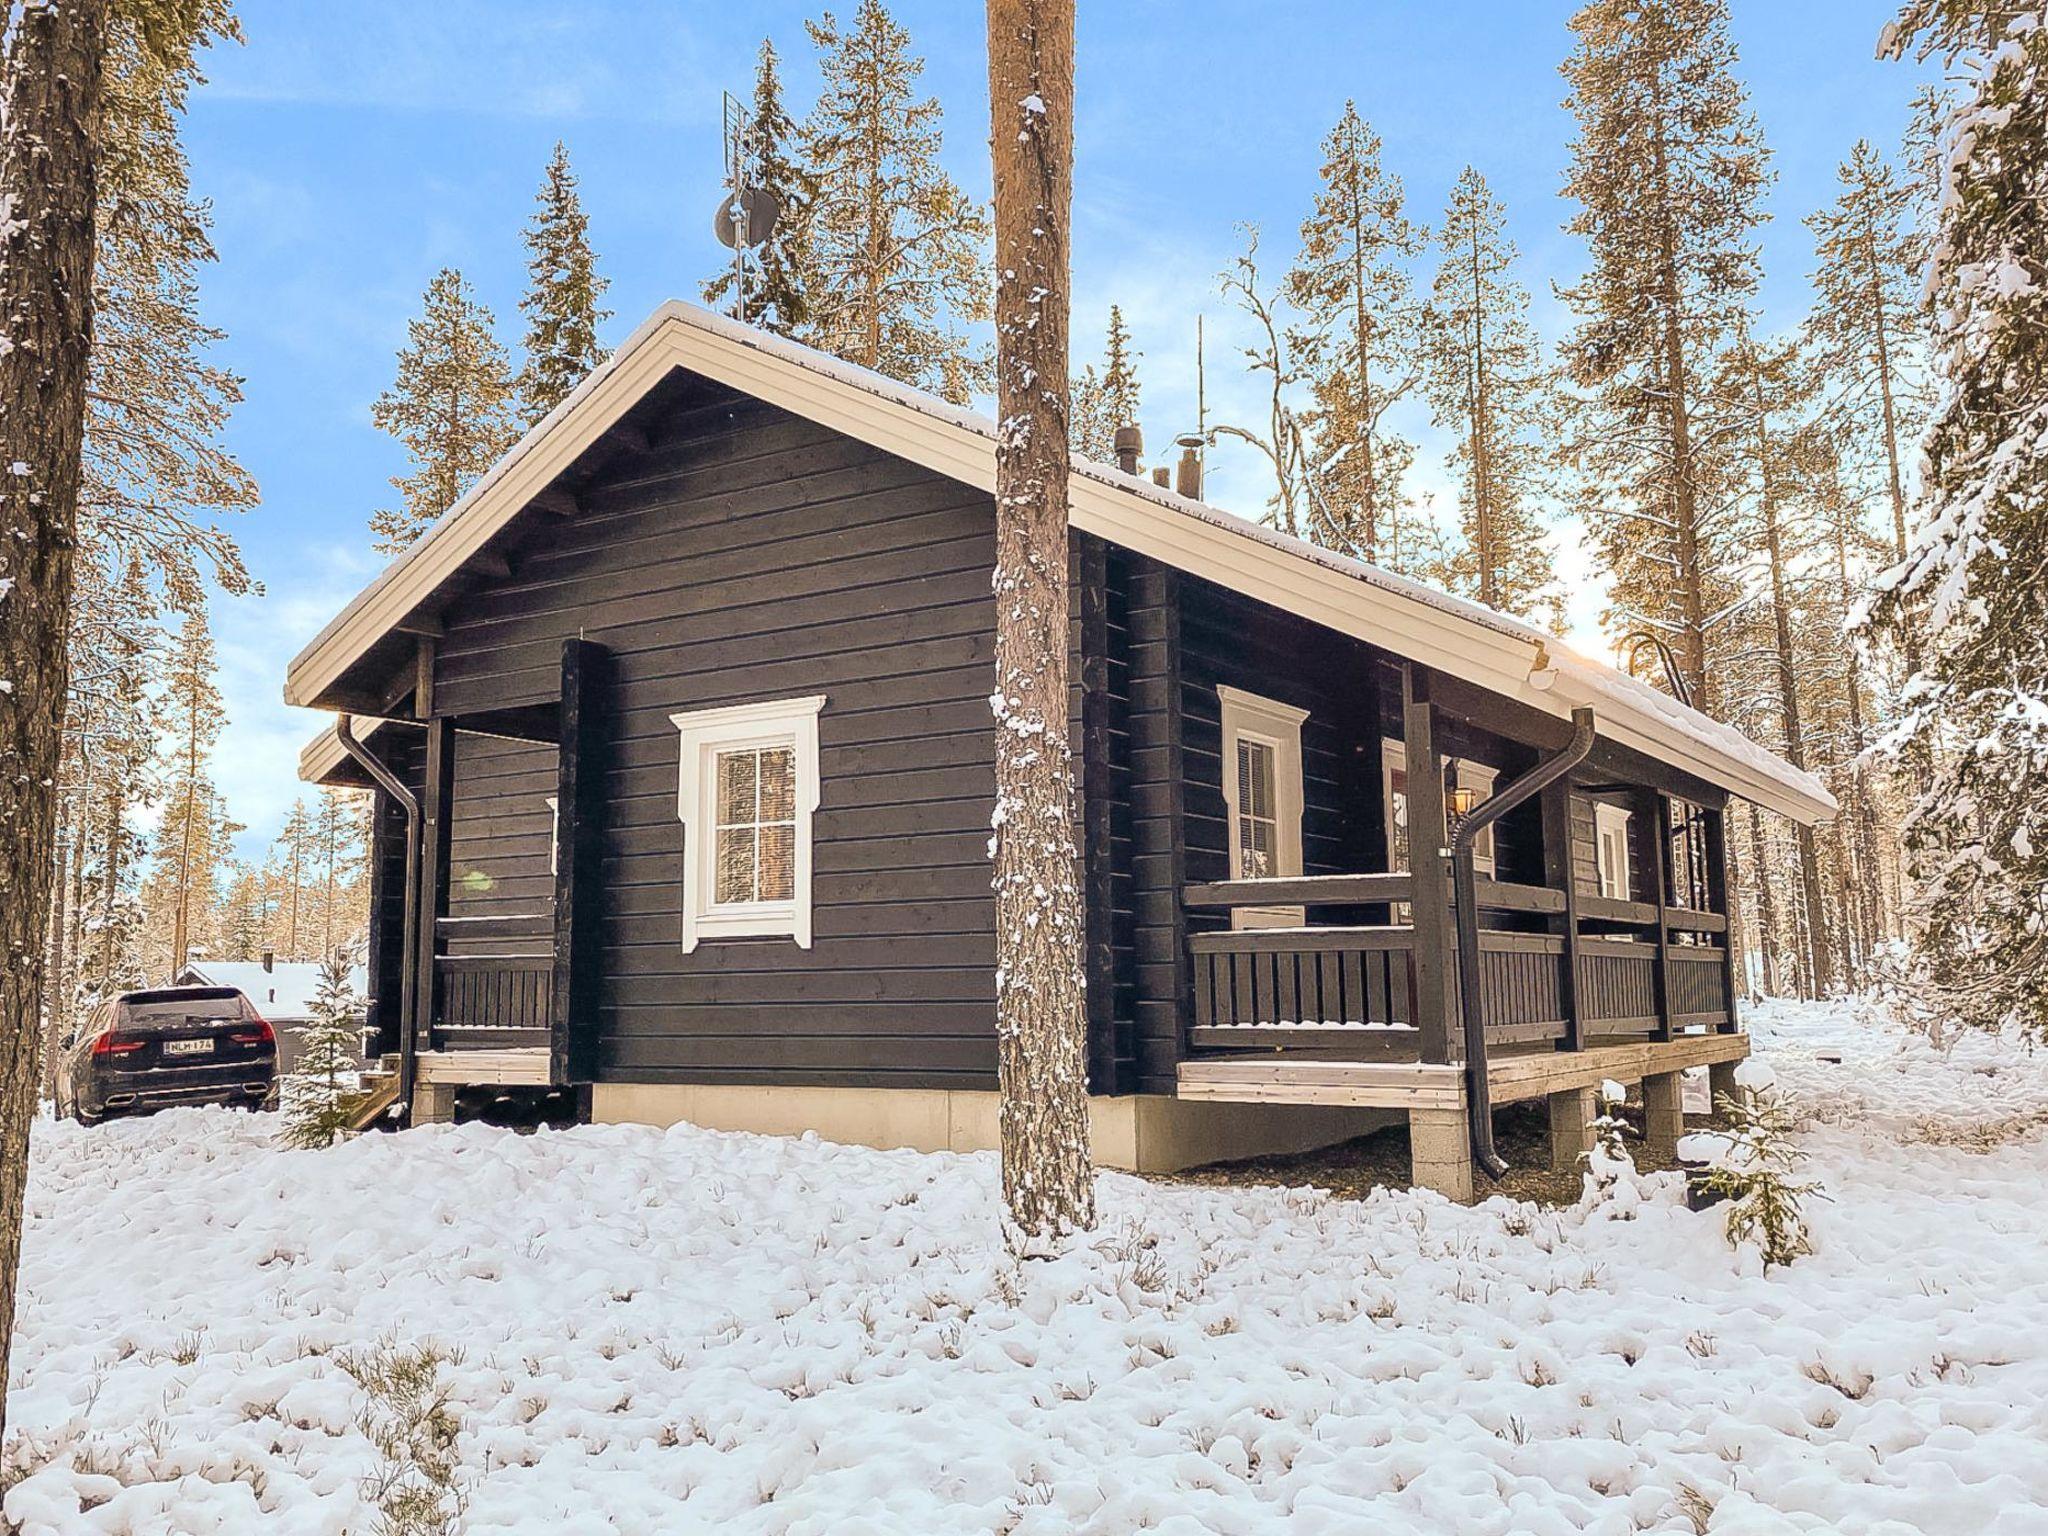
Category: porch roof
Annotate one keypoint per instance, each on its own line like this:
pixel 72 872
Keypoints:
pixel 1463 638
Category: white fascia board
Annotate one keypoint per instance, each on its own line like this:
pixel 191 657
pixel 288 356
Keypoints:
pixel 1475 644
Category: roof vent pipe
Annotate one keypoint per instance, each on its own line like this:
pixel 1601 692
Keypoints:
pixel 269 959
pixel 1163 478
pixel 1130 447
pixel 1188 482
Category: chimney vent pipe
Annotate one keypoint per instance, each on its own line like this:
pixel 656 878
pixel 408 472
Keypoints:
pixel 1189 480
pixel 1130 447
pixel 1163 478
pixel 269 959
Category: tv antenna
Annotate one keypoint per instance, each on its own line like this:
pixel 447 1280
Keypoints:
pixel 746 213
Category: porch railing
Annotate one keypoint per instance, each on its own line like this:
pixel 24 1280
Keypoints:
pixel 1623 968
pixel 493 982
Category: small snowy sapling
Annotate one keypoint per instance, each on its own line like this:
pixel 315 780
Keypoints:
pixel 1755 1171
pixel 320 1097
pixel 1608 1164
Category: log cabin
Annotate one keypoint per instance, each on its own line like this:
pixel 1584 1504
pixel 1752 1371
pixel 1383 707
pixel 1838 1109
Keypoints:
pixel 679 733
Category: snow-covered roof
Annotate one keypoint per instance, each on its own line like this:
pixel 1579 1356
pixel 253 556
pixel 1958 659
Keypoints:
pixel 1462 638
pixel 285 991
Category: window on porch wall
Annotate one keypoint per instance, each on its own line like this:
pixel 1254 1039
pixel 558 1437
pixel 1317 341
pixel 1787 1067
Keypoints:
pixel 1463 780
pixel 1262 797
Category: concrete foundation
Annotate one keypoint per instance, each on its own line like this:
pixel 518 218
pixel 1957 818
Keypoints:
pixel 1571 1128
pixel 1440 1152
pixel 433 1103
pixel 1143 1133
pixel 1663 1113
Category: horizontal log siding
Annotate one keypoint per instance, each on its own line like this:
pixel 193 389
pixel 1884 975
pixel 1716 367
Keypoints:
pixel 499 837
pixel 751 555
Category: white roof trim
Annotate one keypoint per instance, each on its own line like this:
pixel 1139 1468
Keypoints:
pixel 1471 642
pixel 323 754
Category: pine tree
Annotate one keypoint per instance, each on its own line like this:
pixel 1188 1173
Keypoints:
pixel 1668 170
pixel 1041 1021
pixel 775 269
pixel 190 838
pixel 1120 389
pixel 897 259
pixel 1357 345
pixel 321 1095
pixel 339 837
pixel 452 407
pixel 50 125
pixel 1484 376
pixel 1296 506
pixel 1975 582
pixel 1091 432
pixel 292 856
pixel 563 287
pixel 1755 1169
pixel 1865 327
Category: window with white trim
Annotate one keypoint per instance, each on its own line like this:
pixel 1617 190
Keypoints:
pixel 1262 793
pixel 1610 849
pixel 1471 782
pixel 748 788
pixel 1472 789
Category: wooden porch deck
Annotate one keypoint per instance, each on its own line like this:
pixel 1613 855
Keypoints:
pixel 1383 1084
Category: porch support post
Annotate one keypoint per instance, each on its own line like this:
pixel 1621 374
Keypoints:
pixel 1663 1114
pixel 435 827
pixel 579 865
pixel 1720 897
pixel 1660 874
pixel 1440 1152
pixel 1721 1082
pixel 433 1103
pixel 1571 1128
pixel 1560 875
pixel 1426 868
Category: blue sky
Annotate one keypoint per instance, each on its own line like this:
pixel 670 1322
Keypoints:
pixel 352 150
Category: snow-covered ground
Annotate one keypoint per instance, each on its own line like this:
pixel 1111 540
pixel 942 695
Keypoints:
pixel 688 1331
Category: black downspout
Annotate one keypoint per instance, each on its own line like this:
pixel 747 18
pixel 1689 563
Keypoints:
pixel 392 785
pixel 1465 888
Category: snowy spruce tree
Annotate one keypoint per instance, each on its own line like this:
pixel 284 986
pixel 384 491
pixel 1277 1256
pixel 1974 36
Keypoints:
pixel 562 293
pixel 1668 171
pixel 1356 345
pixel 1120 390
pixel 1041 1023
pixel 1975 580
pixel 775 269
pixel 897 263
pixel 1102 402
pixel 320 1096
pixel 1484 377
pixel 452 406
pixel 1756 1167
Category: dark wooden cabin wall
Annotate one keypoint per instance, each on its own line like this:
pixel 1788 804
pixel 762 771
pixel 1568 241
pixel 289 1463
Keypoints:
pixel 752 555
pixel 501 830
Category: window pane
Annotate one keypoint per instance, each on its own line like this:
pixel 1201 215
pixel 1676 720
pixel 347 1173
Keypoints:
pixel 1256 840
pixel 736 787
pixel 1255 779
pixel 778 784
pixel 778 863
pixel 735 872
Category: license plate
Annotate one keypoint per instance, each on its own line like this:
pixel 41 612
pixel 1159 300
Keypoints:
pixel 188 1047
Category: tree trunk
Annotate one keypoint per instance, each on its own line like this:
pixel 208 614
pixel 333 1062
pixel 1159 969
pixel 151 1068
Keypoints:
pixel 1766 908
pixel 53 95
pixel 1041 1023
pixel 1684 494
pixel 1814 940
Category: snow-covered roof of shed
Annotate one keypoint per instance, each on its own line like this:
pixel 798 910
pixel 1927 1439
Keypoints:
pixel 1453 634
pixel 285 991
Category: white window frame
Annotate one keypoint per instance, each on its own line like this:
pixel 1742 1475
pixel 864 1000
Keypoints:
pixel 554 834
pixel 771 723
pixel 1480 779
pixel 1248 716
pixel 1607 818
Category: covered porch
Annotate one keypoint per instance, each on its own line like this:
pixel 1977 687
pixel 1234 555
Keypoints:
pixel 1350 989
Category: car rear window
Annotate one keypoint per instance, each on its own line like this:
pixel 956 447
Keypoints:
pixel 193 1003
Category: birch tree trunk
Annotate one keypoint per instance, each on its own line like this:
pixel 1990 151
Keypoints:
pixel 52 89
pixel 1041 1024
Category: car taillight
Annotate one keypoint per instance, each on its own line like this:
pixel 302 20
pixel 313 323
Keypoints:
pixel 258 1032
pixel 111 1044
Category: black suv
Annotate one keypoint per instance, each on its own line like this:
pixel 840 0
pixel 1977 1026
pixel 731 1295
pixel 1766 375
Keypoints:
pixel 172 1045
